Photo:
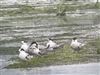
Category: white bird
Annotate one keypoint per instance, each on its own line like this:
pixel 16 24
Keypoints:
pixel 37 51
pixel 24 46
pixel 51 45
pixel 23 55
pixel 33 44
pixel 34 49
pixel 36 45
pixel 76 45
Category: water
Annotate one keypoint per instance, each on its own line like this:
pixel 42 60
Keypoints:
pixel 87 69
pixel 4 61
pixel 13 30
pixel 39 28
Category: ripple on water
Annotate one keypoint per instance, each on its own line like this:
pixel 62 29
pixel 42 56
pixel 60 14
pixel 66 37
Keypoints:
pixel 10 44
pixel 40 28
pixel 4 61
pixel 3 38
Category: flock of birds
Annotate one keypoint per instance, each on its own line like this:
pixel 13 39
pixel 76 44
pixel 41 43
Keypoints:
pixel 27 51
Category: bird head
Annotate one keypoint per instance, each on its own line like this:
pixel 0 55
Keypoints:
pixel 49 39
pixel 74 38
pixel 22 42
pixel 34 43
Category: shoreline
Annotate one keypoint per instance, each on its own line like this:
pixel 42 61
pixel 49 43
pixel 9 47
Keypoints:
pixel 76 69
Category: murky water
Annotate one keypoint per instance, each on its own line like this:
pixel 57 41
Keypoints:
pixel 87 69
pixel 39 28
pixel 13 30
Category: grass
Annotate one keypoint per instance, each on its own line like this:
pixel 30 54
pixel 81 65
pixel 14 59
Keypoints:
pixel 96 45
pixel 65 55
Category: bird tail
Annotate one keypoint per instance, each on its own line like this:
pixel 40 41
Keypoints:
pixel 82 45
pixel 61 45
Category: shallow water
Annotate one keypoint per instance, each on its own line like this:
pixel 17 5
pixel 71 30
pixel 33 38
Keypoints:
pixel 12 31
pixel 87 69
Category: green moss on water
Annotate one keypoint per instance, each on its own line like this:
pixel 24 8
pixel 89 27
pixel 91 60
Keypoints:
pixel 62 56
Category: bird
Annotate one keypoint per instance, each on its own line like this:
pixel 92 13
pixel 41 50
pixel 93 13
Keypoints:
pixel 34 49
pixel 36 45
pixel 51 45
pixel 37 51
pixel 76 45
pixel 33 44
pixel 23 55
pixel 24 46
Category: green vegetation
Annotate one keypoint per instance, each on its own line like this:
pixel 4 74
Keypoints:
pixel 65 55
pixel 97 5
pixel 26 9
pixel 92 6
pixel 59 9
pixel 96 45
pixel 23 9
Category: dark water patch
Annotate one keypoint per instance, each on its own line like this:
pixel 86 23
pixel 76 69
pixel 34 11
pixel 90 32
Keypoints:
pixel 2 26
pixel 28 17
pixel 4 21
pixel 64 25
pixel 36 27
pixel 17 40
pixel 8 50
pixel 64 34
pixel 5 29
